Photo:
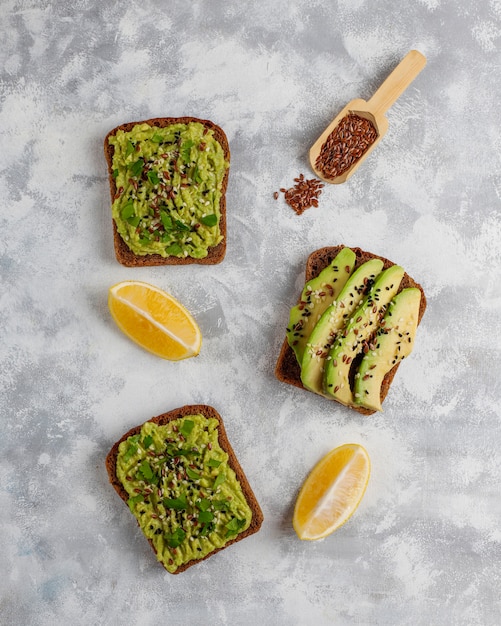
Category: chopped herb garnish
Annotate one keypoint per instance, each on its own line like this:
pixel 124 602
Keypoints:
pixel 176 538
pixel 145 470
pixel 132 449
pixel 137 167
pixel 147 441
pixel 157 138
pixel 186 150
pixel 172 450
pixel 181 225
pixel 205 517
pixel 192 474
pixel 203 505
pixel 219 480
pixel 134 221
pixel 115 173
pixel 179 504
pixel 174 249
pixel 187 452
pixel 234 526
pixel 134 500
pixel 130 148
pixel 127 210
pixel 213 463
pixel 209 220
pixel 196 175
pixel 187 427
pixel 166 220
pixel 206 528
pixel 153 177
pixel 220 505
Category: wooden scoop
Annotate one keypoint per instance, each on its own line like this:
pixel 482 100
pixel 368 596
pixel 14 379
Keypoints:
pixel 373 110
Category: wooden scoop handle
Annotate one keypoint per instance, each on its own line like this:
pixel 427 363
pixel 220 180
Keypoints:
pixel 397 82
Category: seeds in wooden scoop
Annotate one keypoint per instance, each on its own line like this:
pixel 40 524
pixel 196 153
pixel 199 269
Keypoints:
pixel 349 140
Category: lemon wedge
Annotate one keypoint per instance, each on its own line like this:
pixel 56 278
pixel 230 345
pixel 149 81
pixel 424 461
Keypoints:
pixel 331 492
pixel 154 320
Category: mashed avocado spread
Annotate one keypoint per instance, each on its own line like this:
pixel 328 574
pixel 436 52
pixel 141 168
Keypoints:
pixel 183 493
pixel 168 183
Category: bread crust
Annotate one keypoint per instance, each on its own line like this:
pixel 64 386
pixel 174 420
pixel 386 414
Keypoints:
pixel 123 253
pixel 287 368
pixel 208 412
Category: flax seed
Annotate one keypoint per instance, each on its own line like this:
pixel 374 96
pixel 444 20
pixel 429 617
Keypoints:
pixel 303 195
pixel 346 144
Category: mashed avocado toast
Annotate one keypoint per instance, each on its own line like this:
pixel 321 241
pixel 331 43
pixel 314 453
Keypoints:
pixel 168 180
pixel 183 483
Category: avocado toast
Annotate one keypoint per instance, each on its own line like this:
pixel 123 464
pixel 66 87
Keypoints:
pixel 357 344
pixel 168 179
pixel 183 483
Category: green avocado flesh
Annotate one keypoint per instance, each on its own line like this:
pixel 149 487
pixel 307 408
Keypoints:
pixel 185 496
pixel 333 321
pixel 359 329
pixel 356 341
pixel 394 341
pixel 317 295
pixel 169 185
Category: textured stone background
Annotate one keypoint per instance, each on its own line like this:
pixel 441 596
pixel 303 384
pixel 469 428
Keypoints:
pixel 425 545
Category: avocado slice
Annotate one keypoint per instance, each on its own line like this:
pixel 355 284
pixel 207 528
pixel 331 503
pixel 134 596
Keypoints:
pixel 394 341
pixel 317 295
pixel 359 329
pixel 332 321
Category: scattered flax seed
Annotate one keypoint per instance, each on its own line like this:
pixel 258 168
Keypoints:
pixel 346 144
pixel 303 195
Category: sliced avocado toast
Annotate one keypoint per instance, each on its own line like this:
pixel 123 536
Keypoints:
pixel 349 350
pixel 317 295
pixel 393 342
pixel 333 321
pixel 358 330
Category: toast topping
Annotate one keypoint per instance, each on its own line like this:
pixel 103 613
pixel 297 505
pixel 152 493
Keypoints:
pixel 169 185
pixel 332 323
pixel 358 331
pixel 394 341
pixel 182 491
pixel 318 294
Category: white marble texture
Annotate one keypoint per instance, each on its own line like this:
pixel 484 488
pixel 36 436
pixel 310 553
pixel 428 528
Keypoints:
pixel 425 545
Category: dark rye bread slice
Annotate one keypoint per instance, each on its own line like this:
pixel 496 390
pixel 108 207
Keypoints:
pixel 122 252
pixel 287 368
pixel 208 412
